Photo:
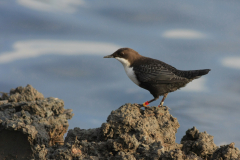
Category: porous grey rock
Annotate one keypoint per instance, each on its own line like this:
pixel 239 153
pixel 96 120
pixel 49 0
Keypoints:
pixel 41 122
pixel 22 94
pixel 197 142
pixel 227 152
pixel 147 126
pixel 32 127
pixel 132 133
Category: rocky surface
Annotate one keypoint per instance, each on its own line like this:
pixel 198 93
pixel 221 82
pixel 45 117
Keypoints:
pixel 226 152
pixel 32 127
pixel 30 122
pixel 200 143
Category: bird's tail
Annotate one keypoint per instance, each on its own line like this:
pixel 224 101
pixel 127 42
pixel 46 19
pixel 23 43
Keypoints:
pixel 193 74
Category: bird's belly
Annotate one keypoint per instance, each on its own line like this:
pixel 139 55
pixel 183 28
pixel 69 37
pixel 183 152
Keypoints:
pixel 159 89
pixel 130 73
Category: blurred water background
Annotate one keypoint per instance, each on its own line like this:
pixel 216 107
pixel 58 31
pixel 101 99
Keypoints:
pixel 57 46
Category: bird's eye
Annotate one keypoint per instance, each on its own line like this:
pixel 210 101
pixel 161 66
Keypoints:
pixel 121 53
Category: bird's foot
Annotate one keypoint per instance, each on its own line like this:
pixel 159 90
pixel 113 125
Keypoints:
pixel 161 104
pixel 145 104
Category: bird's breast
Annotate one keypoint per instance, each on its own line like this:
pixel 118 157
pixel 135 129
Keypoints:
pixel 130 73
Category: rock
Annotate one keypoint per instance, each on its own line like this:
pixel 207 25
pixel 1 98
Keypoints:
pixel 32 127
pixel 146 126
pixel 27 93
pixel 197 142
pixel 39 122
pixel 227 152
pixel 133 132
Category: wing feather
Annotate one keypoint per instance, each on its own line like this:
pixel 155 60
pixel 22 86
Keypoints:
pixel 157 73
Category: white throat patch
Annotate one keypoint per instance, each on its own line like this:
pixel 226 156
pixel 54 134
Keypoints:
pixel 129 70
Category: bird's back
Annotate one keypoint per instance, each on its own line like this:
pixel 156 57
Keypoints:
pixel 150 70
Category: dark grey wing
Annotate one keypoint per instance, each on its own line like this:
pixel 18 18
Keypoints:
pixel 156 73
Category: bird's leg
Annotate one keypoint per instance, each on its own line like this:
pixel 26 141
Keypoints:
pixel 147 102
pixel 164 97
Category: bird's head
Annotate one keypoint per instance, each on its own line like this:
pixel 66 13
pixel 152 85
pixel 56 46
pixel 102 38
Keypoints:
pixel 125 55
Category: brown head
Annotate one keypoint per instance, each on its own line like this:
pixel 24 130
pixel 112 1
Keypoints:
pixel 125 55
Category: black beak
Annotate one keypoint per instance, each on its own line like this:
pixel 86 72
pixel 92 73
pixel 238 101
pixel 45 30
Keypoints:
pixel 109 56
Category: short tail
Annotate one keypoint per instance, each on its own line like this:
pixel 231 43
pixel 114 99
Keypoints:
pixel 193 74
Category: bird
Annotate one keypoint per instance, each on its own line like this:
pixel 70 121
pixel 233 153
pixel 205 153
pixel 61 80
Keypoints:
pixel 158 77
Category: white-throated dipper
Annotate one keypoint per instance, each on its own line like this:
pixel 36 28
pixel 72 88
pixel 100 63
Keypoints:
pixel 154 75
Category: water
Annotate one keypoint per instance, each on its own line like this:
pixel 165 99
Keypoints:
pixel 58 48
